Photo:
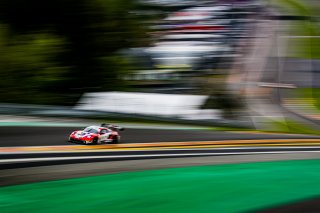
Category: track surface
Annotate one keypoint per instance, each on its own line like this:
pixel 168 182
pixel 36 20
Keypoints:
pixel 307 206
pixel 30 157
pixel 45 136
pixel 31 168
pixel 225 187
pixel 12 161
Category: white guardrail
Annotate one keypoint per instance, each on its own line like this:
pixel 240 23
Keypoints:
pixel 151 104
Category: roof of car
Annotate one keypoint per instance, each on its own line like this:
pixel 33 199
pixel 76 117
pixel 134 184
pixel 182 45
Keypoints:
pixel 97 127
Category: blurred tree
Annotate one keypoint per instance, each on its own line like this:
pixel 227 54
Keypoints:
pixel 63 43
pixel 27 67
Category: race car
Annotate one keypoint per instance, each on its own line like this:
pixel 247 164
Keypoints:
pixel 112 127
pixel 106 133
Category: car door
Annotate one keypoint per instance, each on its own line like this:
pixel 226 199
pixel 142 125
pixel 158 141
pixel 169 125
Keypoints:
pixel 103 135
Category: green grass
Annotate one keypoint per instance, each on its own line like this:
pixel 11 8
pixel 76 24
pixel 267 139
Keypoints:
pixel 310 96
pixel 292 127
pixel 304 47
pixel 222 188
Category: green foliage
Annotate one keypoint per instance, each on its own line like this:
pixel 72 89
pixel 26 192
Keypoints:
pixel 293 127
pixel 308 44
pixel 28 66
pixel 52 51
pixel 229 103
pixel 309 94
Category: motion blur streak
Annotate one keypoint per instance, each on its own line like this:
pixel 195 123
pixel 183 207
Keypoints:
pixel 268 184
pixel 192 82
pixel 164 145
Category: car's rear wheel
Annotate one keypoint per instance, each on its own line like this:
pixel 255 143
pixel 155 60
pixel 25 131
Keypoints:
pixel 116 139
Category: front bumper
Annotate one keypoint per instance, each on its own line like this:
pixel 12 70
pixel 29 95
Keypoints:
pixel 80 141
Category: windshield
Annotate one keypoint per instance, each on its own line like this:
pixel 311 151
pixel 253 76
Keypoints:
pixel 91 130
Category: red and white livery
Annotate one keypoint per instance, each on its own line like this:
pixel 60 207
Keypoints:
pixel 106 133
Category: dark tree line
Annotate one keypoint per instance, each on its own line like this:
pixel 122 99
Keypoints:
pixel 54 50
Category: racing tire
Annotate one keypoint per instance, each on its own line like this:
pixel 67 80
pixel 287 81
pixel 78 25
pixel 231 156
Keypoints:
pixel 115 140
pixel 95 141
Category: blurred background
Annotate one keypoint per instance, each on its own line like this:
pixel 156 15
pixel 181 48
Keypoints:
pixel 250 61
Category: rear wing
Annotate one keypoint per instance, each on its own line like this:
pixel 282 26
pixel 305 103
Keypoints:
pixel 112 127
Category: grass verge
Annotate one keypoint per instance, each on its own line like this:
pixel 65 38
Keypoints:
pixel 222 188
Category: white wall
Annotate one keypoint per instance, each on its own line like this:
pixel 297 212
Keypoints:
pixel 168 105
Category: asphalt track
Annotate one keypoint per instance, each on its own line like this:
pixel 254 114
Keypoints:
pixel 45 166
pixel 25 149
pixel 47 136
pixel 306 206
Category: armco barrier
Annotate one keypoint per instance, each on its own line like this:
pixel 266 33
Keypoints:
pixel 69 112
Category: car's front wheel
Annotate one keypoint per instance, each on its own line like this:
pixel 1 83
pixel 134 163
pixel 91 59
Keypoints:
pixel 95 141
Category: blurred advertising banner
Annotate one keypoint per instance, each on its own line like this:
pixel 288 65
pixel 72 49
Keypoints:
pixel 165 105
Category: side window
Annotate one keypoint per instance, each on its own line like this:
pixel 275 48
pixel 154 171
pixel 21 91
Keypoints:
pixel 104 131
